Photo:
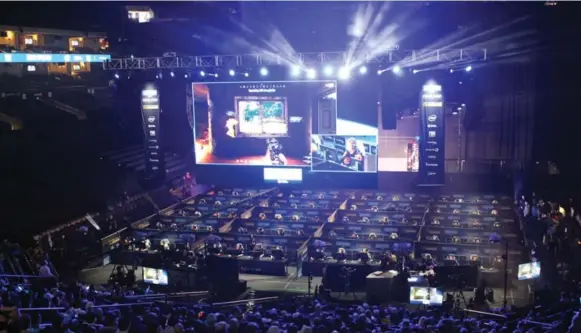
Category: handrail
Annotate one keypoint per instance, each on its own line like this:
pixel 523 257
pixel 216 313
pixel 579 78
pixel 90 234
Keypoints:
pixel 537 323
pixel 486 313
pixel 179 294
pixel 245 301
pixel 423 222
pixel 21 276
pixel 94 306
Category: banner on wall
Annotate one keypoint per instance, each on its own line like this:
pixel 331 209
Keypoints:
pixel 150 111
pixel 432 155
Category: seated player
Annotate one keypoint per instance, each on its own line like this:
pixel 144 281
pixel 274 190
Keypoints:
pixel 364 256
pixel 295 218
pixel 318 255
pixel 238 250
pixel 280 231
pixel 258 251
pixel 341 255
pixel 352 153
pixel 372 236
pixel 262 216
pixel 274 155
pixel 278 253
pixel 260 230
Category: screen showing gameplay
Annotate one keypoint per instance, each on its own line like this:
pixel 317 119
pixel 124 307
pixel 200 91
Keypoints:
pixel 155 276
pixel 342 153
pixel 531 270
pixel 256 123
pixel 277 124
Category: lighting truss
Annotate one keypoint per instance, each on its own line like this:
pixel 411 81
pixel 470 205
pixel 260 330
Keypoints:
pixel 316 58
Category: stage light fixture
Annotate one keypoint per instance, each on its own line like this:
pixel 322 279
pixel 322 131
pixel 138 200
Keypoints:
pixel 451 70
pixel 117 76
pixel 263 71
pixel 172 74
pixel 415 71
pixel 295 70
pixel 396 69
pixel 311 73
pixel 185 76
pixel 379 72
pixel 202 73
pixel 344 73
pixel 362 70
pixel 469 68
pixel 231 72
pixel 246 74
pixel 328 70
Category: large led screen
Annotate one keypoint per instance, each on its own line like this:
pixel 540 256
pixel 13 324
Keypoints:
pixel 277 124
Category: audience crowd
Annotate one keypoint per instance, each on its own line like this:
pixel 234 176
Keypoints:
pixel 47 306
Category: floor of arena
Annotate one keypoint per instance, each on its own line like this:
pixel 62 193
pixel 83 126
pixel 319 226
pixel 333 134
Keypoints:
pixel 516 296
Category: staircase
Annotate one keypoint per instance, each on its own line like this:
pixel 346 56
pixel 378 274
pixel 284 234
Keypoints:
pixel 80 114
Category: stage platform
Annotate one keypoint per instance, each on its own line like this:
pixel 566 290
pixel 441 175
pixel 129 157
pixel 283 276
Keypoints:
pixel 291 286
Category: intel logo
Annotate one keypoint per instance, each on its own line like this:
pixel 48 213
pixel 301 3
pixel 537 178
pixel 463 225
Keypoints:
pixel 151 119
pixel 432 118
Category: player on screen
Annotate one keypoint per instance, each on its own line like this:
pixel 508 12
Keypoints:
pixel 230 126
pixel 274 152
pixel 353 152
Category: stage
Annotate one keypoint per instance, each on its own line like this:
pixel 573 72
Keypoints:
pixel 291 286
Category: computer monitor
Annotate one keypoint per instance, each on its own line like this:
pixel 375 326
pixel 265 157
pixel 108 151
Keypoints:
pixel 531 270
pixel 155 276
pixel 426 296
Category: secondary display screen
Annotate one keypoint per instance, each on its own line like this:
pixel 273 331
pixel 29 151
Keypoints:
pixel 277 125
pixel 531 270
pixel 283 175
pixel 344 153
pixel 155 276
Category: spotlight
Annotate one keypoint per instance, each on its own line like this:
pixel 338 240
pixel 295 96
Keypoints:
pixel 451 70
pixel 263 71
pixel 185 76
pixel 328 70
pixel 379 72
pixel 311 73
pixel 469 68
pixel 172 74
pixel 344 73
pixel 396 69
pixel 246 74
pixel 117 76
pixel 362 70
pixel 295 70
pixel 231 72
pixel 415 71
pixel 202 73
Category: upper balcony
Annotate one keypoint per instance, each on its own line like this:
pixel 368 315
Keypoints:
pixel 51 40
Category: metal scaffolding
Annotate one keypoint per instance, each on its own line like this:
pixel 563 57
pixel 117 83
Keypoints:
pixel 430 56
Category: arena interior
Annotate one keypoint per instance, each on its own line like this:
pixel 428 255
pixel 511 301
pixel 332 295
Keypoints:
pixel 213 167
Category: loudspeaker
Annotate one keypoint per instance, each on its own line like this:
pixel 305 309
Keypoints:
pixel 453 277
pixel 387 107
pixel 221 270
